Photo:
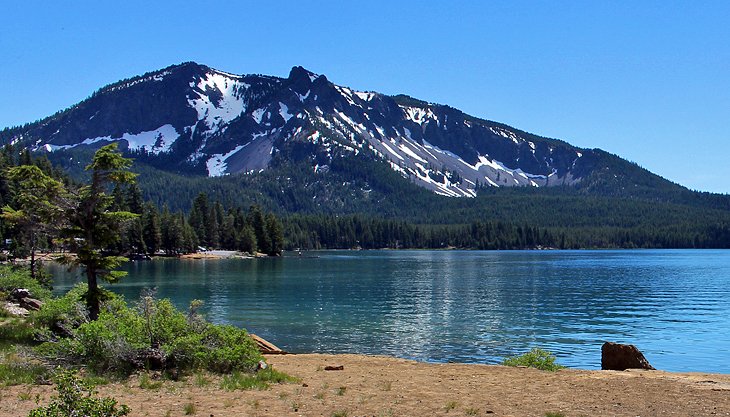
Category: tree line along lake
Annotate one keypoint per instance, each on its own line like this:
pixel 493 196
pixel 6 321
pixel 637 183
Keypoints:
pixel 462 306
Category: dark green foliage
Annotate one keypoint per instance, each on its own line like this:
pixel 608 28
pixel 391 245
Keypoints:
pixel 93 227
pixel 151 231
pixel 77 398
pixel 39 211
pixel 596 214
pixel 361 202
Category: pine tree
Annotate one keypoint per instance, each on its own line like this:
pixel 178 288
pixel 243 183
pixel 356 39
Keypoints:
pixel 247 240
pixel 94 227
pixel 199 218
pixel 276 235
pixel 151 232
pixel 40 202
pixel 135 202
pixel 257 221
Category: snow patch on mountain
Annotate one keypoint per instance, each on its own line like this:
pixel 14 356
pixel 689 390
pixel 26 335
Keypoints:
pixel 365 96
pixel 217 165
pixel 219 98
pixel 155 141
pixel 419 115
pixel 284 112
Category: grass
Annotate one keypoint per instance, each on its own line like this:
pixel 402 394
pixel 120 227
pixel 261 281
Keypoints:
pixel 190 409
pixel 340 413
pixel 25 396
pixel 16 330
pixel 145 382
pixel 21 373
pixel 96 380
pixel 451 405
pixel 201 380
pixel 471 411
pixel 535 358
pixel 17 370
pixel 261 380
pixel 554 415
pixel 341 391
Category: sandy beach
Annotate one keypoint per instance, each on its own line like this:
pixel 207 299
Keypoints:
pixel 383 386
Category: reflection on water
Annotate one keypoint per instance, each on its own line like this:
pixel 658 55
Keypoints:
pixel 465 306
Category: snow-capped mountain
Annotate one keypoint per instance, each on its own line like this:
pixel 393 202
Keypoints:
pixel 195 119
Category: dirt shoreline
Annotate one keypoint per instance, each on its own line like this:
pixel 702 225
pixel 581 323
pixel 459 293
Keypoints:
pixel 385 386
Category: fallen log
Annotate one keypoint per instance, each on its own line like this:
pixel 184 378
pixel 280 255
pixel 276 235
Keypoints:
pixel 266 347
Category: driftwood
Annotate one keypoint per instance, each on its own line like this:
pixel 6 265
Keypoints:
pixel 266 347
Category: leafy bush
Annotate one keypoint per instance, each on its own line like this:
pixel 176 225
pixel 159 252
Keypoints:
pixel 12 278
pixel 77 398
pixel 535 358
pixel 15 330
pixel 155 335
pixel 68 311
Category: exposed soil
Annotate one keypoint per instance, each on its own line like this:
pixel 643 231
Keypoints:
pixel 382 386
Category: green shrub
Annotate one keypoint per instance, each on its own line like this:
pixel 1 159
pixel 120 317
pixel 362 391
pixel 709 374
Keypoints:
pixel 124 339
pixel 68 311
pixel 77 398
pixel 229 349
pixel 12 278
pixel 535 358
pixel 16 330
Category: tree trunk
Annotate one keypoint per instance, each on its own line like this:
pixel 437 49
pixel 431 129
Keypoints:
pixel 92 296
pixel 32 255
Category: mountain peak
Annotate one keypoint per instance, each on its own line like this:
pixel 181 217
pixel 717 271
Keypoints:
pixel 195 119
pixel 300 73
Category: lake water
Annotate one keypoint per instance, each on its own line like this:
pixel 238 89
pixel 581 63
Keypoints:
pixel 464 306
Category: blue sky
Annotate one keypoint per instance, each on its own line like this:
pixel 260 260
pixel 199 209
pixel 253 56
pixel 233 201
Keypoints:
pixel 647 80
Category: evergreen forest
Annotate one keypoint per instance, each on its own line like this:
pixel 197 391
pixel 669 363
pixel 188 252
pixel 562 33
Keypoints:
pixel 363 204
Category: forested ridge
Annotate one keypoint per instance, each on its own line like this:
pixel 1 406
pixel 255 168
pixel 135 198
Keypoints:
pixel 361 203
pixel 149 229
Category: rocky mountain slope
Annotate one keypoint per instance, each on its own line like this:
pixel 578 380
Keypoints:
pixel 193 119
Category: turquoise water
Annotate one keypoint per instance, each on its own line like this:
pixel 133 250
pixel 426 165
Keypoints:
pixel 465 306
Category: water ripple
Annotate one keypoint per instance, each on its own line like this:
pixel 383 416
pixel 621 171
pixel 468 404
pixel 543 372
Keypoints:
pixel 466 306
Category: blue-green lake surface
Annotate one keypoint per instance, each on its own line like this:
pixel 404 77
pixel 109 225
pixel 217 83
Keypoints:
pixel 464 306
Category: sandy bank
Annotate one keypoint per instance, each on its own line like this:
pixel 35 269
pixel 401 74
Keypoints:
pixel 381 386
